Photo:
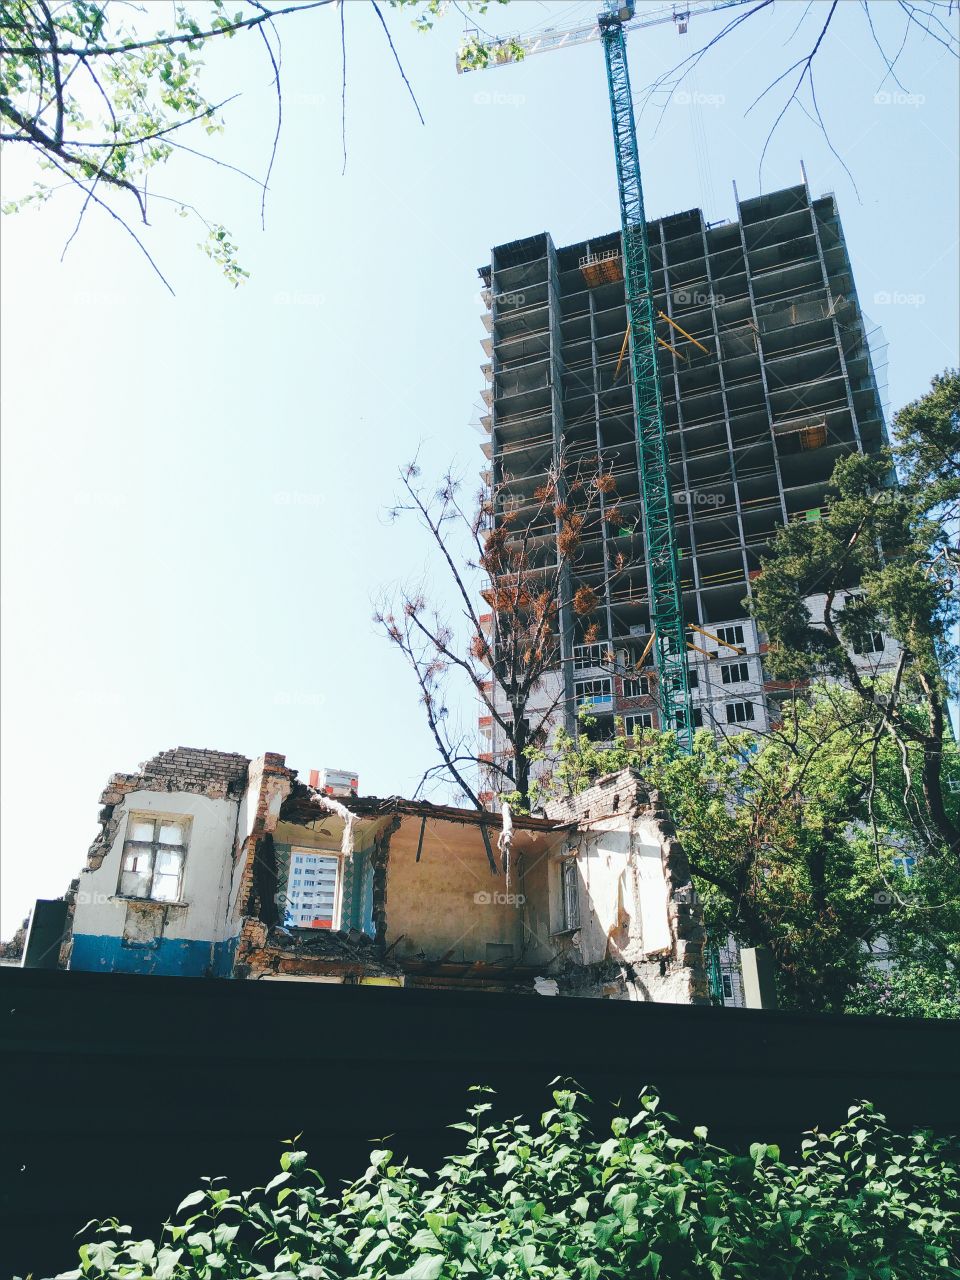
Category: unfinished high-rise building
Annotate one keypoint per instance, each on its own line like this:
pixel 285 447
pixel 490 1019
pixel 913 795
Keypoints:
pixel 767 379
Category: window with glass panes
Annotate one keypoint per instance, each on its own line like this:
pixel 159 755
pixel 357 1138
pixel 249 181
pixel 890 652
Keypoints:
pixel 636 686
pixel 735 673
pixel 153 856
pixel 739 712
pixel 596 691
pixel 730 635
pixel 633 724
pixel 591 655
pixel 314 898
pixel 569 895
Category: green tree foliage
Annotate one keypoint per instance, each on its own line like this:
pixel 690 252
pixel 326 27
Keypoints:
pixel 784 852
pixel 555 1202
pixel 801 839
pixel 105 94
pixel 895 548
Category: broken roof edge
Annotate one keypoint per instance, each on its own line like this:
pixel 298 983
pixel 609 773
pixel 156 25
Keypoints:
pixel 301 805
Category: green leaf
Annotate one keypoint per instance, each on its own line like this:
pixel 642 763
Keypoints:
pixel 195 1197
pixel 425 1268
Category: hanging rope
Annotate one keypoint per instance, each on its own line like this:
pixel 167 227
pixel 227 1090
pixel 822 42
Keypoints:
pixel 341 810
pixel 505 841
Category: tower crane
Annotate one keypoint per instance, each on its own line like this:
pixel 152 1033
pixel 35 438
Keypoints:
pixel 663 561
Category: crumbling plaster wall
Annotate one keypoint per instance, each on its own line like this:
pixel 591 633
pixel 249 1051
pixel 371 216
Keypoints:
pixel 449 904
pixel 107 932
pixel 253 887
pixel 640 934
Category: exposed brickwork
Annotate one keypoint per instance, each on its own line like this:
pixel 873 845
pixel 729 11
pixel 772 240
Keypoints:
pixel 219 775
pixel 269 782
pixel 308 953
pixel 215 774
pixel 613 796
pixel 10 952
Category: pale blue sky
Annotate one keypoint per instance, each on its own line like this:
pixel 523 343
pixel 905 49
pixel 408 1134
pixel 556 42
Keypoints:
pixel 194 487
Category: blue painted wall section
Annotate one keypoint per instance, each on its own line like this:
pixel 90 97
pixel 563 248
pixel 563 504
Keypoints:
pixel 357 911
pixel 173 957
pixel 282 855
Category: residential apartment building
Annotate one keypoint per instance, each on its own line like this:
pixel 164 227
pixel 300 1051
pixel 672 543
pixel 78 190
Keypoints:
pixel 767 379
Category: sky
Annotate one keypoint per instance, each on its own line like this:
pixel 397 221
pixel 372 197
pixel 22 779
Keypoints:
pixel 196 487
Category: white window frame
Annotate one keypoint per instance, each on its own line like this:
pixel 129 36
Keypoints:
pixel 589 656
pixel 568 895
pixel 132 848
pixel 601 697
pixel 874 643
pixel 642 686
pixel 301 905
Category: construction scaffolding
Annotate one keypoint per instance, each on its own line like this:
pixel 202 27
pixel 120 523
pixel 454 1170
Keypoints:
pixel 765 379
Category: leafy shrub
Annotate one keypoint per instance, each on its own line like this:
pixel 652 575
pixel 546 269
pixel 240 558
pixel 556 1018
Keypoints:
pixel 554 1202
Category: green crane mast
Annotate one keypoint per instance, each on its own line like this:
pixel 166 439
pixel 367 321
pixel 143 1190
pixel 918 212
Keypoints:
pixel 659 533
pixel 660 539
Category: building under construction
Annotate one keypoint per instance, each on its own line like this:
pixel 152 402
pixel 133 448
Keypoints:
pixel 767 379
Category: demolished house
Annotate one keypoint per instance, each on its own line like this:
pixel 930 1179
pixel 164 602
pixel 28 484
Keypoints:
pixel 203 856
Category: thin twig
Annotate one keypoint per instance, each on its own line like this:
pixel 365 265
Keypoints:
pixel 116 217
pixel 396 58
pixel 276 135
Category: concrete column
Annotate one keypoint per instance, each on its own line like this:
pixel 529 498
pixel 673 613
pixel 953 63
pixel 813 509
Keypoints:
pixel 759 988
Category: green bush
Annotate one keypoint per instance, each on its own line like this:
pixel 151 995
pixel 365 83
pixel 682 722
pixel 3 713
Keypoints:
pixel 554 1202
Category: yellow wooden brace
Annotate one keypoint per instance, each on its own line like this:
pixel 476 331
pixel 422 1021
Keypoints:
pixel 711 636
pixel 664 316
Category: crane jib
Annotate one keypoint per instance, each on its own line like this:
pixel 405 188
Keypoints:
pixel 663 567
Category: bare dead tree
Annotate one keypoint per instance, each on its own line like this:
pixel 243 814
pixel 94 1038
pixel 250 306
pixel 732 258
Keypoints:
pixel 526 547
